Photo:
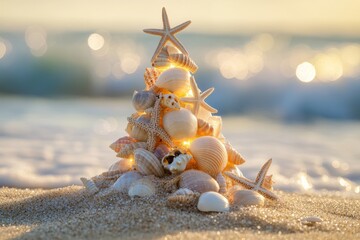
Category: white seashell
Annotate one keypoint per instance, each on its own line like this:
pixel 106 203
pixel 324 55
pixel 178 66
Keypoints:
pixel 176 161
pixel 171 50
pixel 310 221
pixel 143 100
pixel 118 144
pixel 170 101
pixel 181 60
pixel 160 151
pixel 176 80
pixel 235 170
pixel 147 163
pixel 213 202
pixel 124 181
pixel 129 149
pixel 234 156
pixel 198 181
pixel 245 197
pixel 150 77
pixel 142 188
pixel 180 124
pixel 209 154
pixel 222 183
pixel 123 165
pixel 183 191
pixel 89 185
pixel 204 128
pixel 138 133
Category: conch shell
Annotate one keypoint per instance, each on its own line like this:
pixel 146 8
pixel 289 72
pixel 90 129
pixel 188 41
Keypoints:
pixel 147 163
pixel 176 161
pixel 118 144
pixel 234 156
pixel 198 181
pixel 204 128
pixel 150 77
pixel 142 188
pixel 181 60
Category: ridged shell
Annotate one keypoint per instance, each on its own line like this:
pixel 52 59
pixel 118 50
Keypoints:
pixel 118 144
pixel 233 155
pixel 150 77
pixel 176 163
pixel 245 197
pixel 160 151
pixel 124 181
pixel 142 188
pixel 138 133
pixel 162 63
pixel 183 197
pixel 180 124
pixel 204 128
pixel 89 185
pixel 222 183
pixel 183 191
pixel 181 60
pixel 129 149
pixel 143 100
pixel 123 165
pixel 176 80
pixel 213 202
pixel 147 163
pixel 210 154
pixel 198 181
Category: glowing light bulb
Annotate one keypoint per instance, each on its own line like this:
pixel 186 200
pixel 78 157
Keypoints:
pixel 186 143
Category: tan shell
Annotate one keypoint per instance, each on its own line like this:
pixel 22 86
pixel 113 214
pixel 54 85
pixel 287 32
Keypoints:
pixel 204 128
pixel 311 220
pixel 245 197
pixel 89 185
pixel 147 163
pixel 143 100
pixel 162 61
pixel 198 181
pixel 210 154
pixel 213 202
pixel 160 151
pixel 118 144
pixel 181 60
pixel 142 188
pixel 234 156
pixel 222 183
pixel 176 80
pixel 183 197
pixel 123 165
pixel 128 149
pixel 138 133
pixel 150 77
pixel 216 123
pixel 170 101
pixel 180 124
pixel 125 180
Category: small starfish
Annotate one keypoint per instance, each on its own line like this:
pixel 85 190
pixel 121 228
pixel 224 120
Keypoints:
pixel 167 34
pixel 257 185
pixel 153 128
pixel 198 98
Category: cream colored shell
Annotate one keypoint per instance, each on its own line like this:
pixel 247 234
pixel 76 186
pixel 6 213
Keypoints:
pixel 143 100
pixel 234 156
pixel 209 154
pixel 147 163
pixel 125 180
pixel 89 185
pixel 181 60
pixel 150 77
pixel 180 124
pixel 198 181
pixel 204 128
pixel 142 188
pixel 123 165
pixel 129 149
pixel 245 197
pixel 176 80
pixel 213 202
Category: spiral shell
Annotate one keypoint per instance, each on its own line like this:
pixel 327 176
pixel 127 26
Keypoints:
pixel 123 165
pixel 233 155
pixel 142 188
pixel 143 100
pixel 210 154
pixel 162 61
pixel 124 181
pixel 118 144
pixel 245 197
pixel 222 183
pixel 89 185
pixel 128 149
pixel 176 161
pixel 181 124
pixel 160 151
pixel 198 181
pixel 147 163
pixel 176 80
pixel 181 60
pixel 150 77
pixel 204 128
pixel 213 202
pixel 183 197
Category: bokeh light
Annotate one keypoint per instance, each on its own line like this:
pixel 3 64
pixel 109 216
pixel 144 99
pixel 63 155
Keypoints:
pixel 305 72
pixel 3 49
pixel 96 41
pixel 130 62
pixel 36 40
pixel 328 67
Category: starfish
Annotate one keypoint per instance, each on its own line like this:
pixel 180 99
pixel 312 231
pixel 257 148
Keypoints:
pixel 167 34
pixel 257 185
pixel 153 128
pixel 198 98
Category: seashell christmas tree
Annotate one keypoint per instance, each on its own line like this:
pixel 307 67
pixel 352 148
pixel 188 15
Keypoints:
pixel 174 138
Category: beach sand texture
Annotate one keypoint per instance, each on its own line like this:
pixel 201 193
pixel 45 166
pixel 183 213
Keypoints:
pixel 70 213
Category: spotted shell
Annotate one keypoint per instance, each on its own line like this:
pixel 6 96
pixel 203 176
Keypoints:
pixel 160 151
pixel 181 60
pixel 170 101
pixel 198 181
pixel 89 185
pixel 118 144
pixel 142 188
pixel 143 100
pixel 123 165
pixel 204 128
pixel 233 155
pixel 213 202
pixel 147 163
pixel 128 149
pixel 209 154
pixel 150 77
pixel 176 80
pixel 245 197
pixel 125 180
pixel 180 124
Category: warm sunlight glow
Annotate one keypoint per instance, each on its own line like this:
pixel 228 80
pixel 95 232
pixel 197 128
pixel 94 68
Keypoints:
pixel 96 41
pixel 35 38
pixel 328 67
pixel 130 63
pixel 305 72
pixel 2 49
pixel 304 182
pixel 186 143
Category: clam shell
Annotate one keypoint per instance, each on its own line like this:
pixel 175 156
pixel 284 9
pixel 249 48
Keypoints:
pixel 147 163
pixel 233 155
pixel 142 188
pixel 181 60
pixel 123 165
pixel 150 77
pixel 124 181
pixel 176 80
pixel 210 154
pixel 213 202
pixel 204 128
pixel 245 197
pixel 128 149
pixel 222 183
pixel 160 151
pixel 89 185
pixel 198 181
pixel 180 124
pixel 143 100
pixel 118 144
pixel 138 133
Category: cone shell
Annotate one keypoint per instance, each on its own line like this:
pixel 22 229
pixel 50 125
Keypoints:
pixel 181 60
pixel 89 185
pixel 180 125
pixel 198 181
pixel 245 197
pixel 143 100
pixel 234 156
pixel 125 180
pixel 147 163
pixel 213 202
pixel 204 128
pixel 142 188
pixel 176 80
pixel 160 151
pixel 123 165
pixel 118 144
pixel 129 149
pixel 210 154
pixel 150 77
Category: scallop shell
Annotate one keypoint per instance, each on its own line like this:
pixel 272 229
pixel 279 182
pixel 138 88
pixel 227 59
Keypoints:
pixel 245 197
pixel 213 202
pixel 124 181
pixel 147 163
pixel 118 144
pixel 310 221
pixel 142 188
pixel 222 183
pixel 160 151
pixel 123 165
pixel 170 101
pixel 89 185
pixel 150 77
pixel 180 125
pixel 143 100
pixel 181 60
pixel 138 133
pixel 176 80
pixel 128 149
pixel 233 155
pixel 176 161
pixel 198 181
pixel 210 154
pixel 204 128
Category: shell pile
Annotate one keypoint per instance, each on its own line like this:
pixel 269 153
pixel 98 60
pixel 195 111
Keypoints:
pixel 173 137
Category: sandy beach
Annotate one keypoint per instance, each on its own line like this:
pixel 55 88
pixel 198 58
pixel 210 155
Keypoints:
pixel 68 213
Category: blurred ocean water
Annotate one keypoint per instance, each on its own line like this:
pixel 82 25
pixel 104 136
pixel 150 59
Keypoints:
pixel 52 143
